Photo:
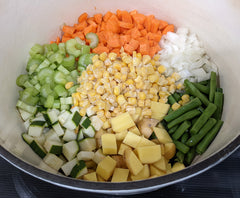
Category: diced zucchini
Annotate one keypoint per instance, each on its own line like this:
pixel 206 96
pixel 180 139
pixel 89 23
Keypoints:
pixel 74 109
pixel 41 139
pixel 76 118
pixel 58 129
pixel 85 155
pixel 67 167
pixel 30 109
pixel 53 146
pixel 69 135
pixel 89 132
pixel 24 114
pixel 80 135
pixel 85 122
pixel 90 111
pixel 27 138
pixel 66 101
pixel 70 149
pixel 35 129
pixel 87 144
pixel 97 123
pixel 79 169
pixel 27 124
pixel 38 149
pixel 52 135
pixel 52 115
pixel 38 117
pixel 53 161
pixel 63 117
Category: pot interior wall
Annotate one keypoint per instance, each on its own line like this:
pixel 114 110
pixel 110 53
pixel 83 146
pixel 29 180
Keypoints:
pixel 27 22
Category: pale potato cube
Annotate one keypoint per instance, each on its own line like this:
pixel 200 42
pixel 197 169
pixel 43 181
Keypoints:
pixel 122 122
pixel 146 125
pixel 97 136
pixel 161 164
pixel 98 156
pixel 156 171
pixel 90 177
pixel 133 163
pixel 122 149
pixel 137 114
pixel 177 167
pixel 169 150
pixel 159 110
pixel 145 142
pixel 135 130
pixel 169 168
pixel 143 174
pixel 120 136
pixel 106 167
pixel 109 143
pixel 132 139
pixel 120 175
pixel 120 161
pixel 162 135
pixel 100 179
pixel 149 154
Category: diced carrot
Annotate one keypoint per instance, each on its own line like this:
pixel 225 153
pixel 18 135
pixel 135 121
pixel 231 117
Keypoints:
pixel 133 12
pixel 153 36
pixel 144 49
pixel 91 21
pixel 169 28
pixel 100 49
pixel 114 41
pixel 124 39
pixel 65 39
pixel 134 43
pixel 116 50
pixel 80 26
pixel 139 18
pixel 143 32
pixel 135 33
pixel 139 26
pixel 113 24
pixel 88 29
pixel 103 26
pixel 107 16
pixel 52 42
pixel 128 48
pixel 148 22
pixel 67 35
pixel 125 25
pixel 101 37
pixel 82 17
pixel 119 14
pixel 155 25
pixel 80 35
pixel 68 29
pixel 58 40
pixel 98 18
pixel 126 17
pixel 162 24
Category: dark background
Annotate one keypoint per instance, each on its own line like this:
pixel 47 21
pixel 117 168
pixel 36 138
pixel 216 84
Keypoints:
pixel 222 181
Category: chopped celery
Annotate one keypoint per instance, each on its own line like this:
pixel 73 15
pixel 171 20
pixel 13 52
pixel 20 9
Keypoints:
pixel 63 70
pixel 36 49
pixel 56 57
pixel 72 89
pixel 33 64
pixel 54 47
pixel 69 63
pixel 62 49
pixel 28 98
pixel 44 64
pixel 59 78
pixel 85 59
pixel 93 38
pixel 47 49
pixel 21 79
pixel 49 101
pixel 44 73
pixel 71 48
pixel 46 90
pixel 79 41
pixel 61 91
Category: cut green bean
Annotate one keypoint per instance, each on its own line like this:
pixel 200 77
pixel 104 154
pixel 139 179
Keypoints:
pixel 173 129
pixel 190 156
pixel 181 129
pixel 205 82
pixel 201 109
pixel 194 120
pixel 180 156
pixel 192 141
pixel 195 92
pixel 185 137
pixel 181 147
pixel 218 101
pixel 207 113
pixel 202 88
pixel 171 100
pixel 176 96
pixel 213 86
pixel 187 116
pixel 183 109
pixel 219 90
pixel 203 145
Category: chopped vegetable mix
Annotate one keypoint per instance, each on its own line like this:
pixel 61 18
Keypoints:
pixel 99 104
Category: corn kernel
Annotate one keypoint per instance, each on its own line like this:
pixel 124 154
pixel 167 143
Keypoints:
pixel 161 69
pixel 172 88
pixel 140 85
pixel 103 56
pixel 146 112
pixel 95 58
pixel 116 110
pixel 139 55
pixel 112 56
pixel 179 86
pixel 136 61
pixel 82 112
pixel 132 101
pixel 176 76
pixel 101 105
pixel 141 103
pixel 108 62
pixel 124 70
pixel 88 86
pixel 91 77
pixel 106 124
pixel 185 98
pixel 153 91
pixel 107 114
pixel 106 74
pixel 180 102
pixel 98 63
pixel 146 59
pixel 153 78
pixel 118 75
pixel 129 82
pixel 116 90
pixel 100 113
pixel 148 103
pixel 141 95
pixel 176 106
pixel 121 100
pixel 156 57
pixel 127 59
pixel 154 98
pixel 117 65
pixel 69 85
pixel 163 100
pixel 100 89
pixel 152 62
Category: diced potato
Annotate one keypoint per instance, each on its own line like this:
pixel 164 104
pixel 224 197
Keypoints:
pixel 133 163
pixel 155 141
pixel 120 161
pixel 162 135
pixel 106 124
pixel 122 149
pixel 145 142
pixel 91 164
pixel 134 130
pixel 146 125
pixel 143 174
pixel 100 179
pixel 106 167
pixel 109 143
pixel 161 164
pixel 169 150
pixel 153 176
pixel 90 176
pixel 169 168
pixel 120 136
pixel 162 149
pixel 122 122
pixel 177 167
pixel 156 171
pixel 132 139
pixel 98 156
pixel 159 110
pixel 120 175
pixel 149 154
pixel 137 114
pixel 97 136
